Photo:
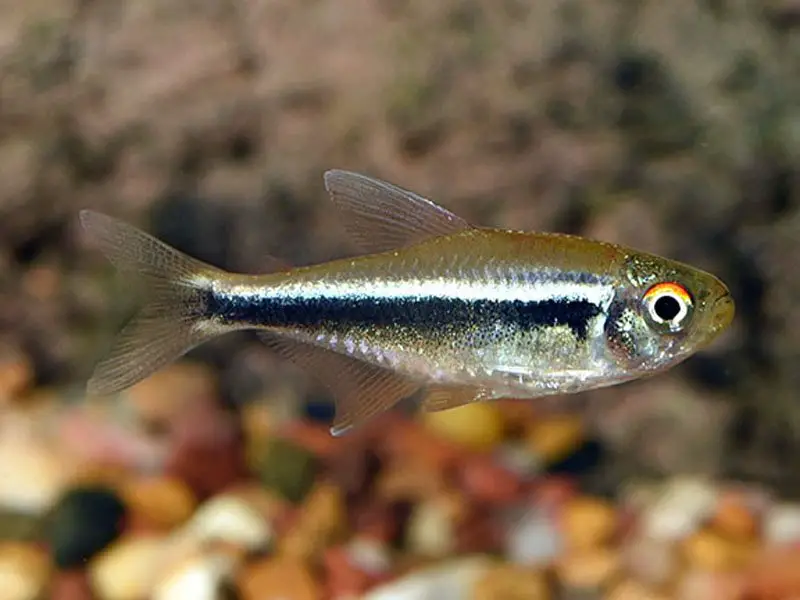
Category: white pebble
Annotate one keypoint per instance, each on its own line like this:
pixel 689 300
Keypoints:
pixel 680 509
pixel 203 578
pixel 33 476
pixel 453 580
pixel 782 524
pixel 518 459
pixel 534 539
pixel 371 556
pixel 430 530
pixel 228 519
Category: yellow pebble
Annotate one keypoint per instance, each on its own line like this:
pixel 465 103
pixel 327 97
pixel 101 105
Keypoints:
pixel 162 502
pixel 553 438
pixel 277 578
pixel 633 590
pixel 127 570
pixel 588 523
pixel 511 582
pixel 24 571
pixel 708 551
pixel 590 569
pixel 477 426
pixel 321 523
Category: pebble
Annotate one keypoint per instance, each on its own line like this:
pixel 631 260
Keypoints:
pixel 127 569
pixel 277 579
pixel 414 443
pixel 408 480
pixel 590 569
pixel 345 579
pixel 681 507
pixel 288 469
pixel 703 585
pixel 517 458
pixel 16 375
pixel 534 539
pixel 71 585
pixel 384 521
pixel 486 481
pixel 321 522
pixel 707 550
pixel 633 590
pixel 204 577
pixel 512 582
pixel 774 575
pixel 431 530
pixel 652 561
pixel 82 523
pixel 555 437
pixel 163 396
pixel 355 469
pixel 160 503
pixel 228 519
pixel 33 475
pixel 18 526
pixel 207 451
pixel 24 572
pixel 782 524
pixel 311 436
pixel 733 518
pixel 479 532
pixel 587 523
pixel 479 426
pixel 370 555
pixel 454 579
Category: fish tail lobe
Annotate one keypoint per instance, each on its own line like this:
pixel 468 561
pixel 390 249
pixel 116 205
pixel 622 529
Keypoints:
pixel 171 319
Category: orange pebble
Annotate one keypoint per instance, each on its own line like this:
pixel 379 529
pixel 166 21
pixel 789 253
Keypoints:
pixel 707 550
pixel 588 522
pixel 159 502
pixel 733 519
pixel 311 436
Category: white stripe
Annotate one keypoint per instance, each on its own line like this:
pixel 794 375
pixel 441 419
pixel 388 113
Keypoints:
pixel 596 293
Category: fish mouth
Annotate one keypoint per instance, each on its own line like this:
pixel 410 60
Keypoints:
pixel 723 311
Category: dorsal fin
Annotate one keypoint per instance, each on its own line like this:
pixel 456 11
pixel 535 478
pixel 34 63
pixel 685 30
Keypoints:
pixel 381 216
pixel 360 390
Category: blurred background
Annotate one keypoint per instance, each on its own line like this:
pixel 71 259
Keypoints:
pixel 670 126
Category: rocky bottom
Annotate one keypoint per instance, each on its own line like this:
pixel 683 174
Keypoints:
pixel 164 494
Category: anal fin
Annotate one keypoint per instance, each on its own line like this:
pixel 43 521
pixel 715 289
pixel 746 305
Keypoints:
pixel 360 390
pixel 444 397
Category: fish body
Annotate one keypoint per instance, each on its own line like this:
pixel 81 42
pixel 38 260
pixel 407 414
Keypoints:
pixel 435 304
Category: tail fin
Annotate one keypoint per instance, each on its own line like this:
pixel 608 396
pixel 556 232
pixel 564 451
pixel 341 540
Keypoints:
pixel 170 322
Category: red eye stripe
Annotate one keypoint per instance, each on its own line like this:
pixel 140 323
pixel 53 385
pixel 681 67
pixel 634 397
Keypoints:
pixel 669 287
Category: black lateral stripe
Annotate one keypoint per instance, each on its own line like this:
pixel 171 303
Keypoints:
pixel 424 313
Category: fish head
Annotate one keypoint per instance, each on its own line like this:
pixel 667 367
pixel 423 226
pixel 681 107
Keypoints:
pixel 663 312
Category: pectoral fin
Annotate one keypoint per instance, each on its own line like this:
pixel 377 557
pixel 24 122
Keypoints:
pixel 360 390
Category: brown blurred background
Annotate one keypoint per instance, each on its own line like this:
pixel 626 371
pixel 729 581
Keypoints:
pixel 672 126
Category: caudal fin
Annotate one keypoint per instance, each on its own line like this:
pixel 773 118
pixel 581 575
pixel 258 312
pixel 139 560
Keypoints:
pixel 170 321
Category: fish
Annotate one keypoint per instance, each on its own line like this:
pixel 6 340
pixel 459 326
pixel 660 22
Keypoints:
pixel 431 305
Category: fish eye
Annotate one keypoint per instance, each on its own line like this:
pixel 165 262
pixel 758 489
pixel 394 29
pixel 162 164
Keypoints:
pixel 668 305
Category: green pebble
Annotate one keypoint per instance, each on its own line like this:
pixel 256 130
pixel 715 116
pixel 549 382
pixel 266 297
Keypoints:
pixel 288 469
pixel 18 526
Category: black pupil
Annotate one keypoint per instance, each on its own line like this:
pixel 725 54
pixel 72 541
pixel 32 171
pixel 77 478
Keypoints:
pixel 667 308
